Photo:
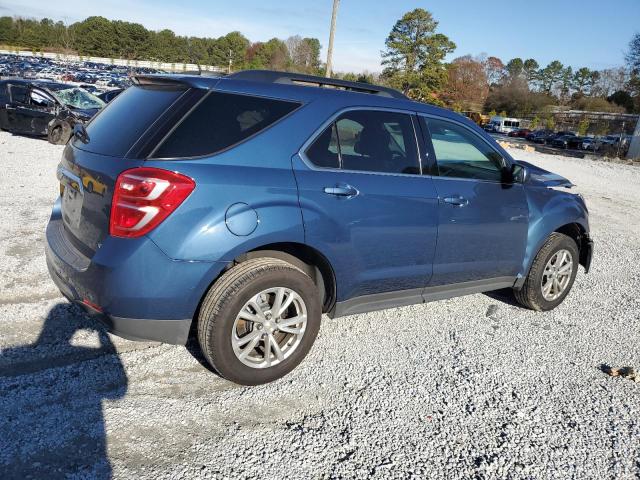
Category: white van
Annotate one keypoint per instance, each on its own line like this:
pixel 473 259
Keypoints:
pixel 505 124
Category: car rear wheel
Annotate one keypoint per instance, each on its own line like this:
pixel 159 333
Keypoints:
pixel 552 274
pixel 259 320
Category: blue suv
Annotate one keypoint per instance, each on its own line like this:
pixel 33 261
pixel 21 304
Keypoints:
pixel 249 205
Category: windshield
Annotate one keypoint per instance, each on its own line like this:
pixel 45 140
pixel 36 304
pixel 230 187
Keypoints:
pixel 78 98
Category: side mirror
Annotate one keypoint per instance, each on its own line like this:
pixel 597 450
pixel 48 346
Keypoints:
pixel 518 173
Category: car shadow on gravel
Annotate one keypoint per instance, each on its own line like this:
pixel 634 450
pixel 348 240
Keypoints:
pixel 51 395
pixel 504 295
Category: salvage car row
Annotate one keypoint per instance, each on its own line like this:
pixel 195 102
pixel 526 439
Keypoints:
pixel 47 108
pixel 45 97
pixel 564 139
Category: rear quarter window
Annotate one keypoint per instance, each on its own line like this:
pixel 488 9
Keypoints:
pixel 220 121
pixel 123 121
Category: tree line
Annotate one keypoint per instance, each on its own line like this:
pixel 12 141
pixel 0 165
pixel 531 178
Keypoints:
pixel 414 61
pixel 100 37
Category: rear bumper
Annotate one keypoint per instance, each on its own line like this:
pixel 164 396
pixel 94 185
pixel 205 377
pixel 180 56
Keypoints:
pixel 130 285
pixel 175 332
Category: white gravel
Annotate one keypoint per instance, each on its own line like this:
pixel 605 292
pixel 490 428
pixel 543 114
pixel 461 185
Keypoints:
pixel 468 387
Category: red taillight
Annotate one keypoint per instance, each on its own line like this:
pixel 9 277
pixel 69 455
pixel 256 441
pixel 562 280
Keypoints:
pixel 144 197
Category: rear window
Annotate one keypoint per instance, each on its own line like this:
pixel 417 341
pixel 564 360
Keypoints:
pixel 117 128
pixel 220 121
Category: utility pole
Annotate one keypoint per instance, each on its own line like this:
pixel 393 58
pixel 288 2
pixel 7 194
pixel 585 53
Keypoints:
pixel 334 14
pixel 230 60
pixel 634 148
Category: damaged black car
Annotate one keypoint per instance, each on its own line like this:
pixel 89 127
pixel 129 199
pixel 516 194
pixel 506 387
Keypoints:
pixel 42 108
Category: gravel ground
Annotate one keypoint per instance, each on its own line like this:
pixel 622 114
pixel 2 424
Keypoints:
pixel 468 387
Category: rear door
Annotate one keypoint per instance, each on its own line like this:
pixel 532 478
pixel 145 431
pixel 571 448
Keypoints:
pixel 18 98
pixel 365 204
pixel 482 219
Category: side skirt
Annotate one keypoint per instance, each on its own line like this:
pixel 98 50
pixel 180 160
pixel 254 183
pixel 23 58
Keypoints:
pixel 402 298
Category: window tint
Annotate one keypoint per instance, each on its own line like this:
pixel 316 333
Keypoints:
pixel 460 153
pixel 19 94
pixel 220 121
pixel 324 151
pixel 374 141
pixel 121 123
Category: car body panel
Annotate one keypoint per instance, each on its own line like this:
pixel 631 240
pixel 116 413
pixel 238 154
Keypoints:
pixel 394 243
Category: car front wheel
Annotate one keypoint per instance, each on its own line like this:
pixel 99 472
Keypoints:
pixel 259 321
pixel 552 274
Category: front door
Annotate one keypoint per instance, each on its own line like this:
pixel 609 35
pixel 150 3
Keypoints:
pixel 365 205
pixel 482 217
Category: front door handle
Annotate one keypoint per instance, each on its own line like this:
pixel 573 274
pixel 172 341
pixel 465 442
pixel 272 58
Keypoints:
pixel 457 201
pixel 341 191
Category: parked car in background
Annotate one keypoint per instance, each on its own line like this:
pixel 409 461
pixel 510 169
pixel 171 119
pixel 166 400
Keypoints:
pixel 259 201
pixel 590 143
pixel 567 141
pixel 538 133
pixel 548 139
pixel 520 133
pixel 45 108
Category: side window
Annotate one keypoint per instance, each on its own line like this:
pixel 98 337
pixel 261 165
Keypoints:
pixel 19 94
pixel 368 140
pixel 324 151
pixel 459 153
pixel 220 121
pixel 40 99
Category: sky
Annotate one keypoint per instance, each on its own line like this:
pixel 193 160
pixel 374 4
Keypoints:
pixel 591 33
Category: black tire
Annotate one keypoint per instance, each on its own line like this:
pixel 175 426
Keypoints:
pixel 55 135
pixel 226 298
pixel 90 187
pixel 530 295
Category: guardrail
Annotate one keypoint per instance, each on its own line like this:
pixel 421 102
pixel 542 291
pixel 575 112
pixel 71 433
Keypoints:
pixel 121 62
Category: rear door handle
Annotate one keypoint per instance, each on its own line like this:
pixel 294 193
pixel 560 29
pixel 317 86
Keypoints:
pixel 341 191
pixel 457 201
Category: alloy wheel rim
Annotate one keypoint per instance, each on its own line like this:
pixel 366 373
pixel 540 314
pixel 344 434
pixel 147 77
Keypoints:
pixel 557 275
pixel 269 327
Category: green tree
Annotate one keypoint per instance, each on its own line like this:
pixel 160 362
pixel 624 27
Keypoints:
pixel 414 56
pixel 550 75
pixel 272 55
pixel 633 64
pixel 232 46
pixel 7 32
pixel 95 36
pixel 583 127
pixel 304 53
pixel 515 68
pixel 550 122
pixel 530 68
pixel 535 121
pixel 132 40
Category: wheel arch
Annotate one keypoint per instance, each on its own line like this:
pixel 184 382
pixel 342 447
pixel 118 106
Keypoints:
pixel 307 259
pixel 578 233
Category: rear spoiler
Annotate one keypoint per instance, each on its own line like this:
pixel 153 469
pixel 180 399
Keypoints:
pixel 159 80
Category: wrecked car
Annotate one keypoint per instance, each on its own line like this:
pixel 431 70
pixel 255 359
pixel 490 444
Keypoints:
pixel 42 108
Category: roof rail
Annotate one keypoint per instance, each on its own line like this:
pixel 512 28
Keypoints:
pixel 270 76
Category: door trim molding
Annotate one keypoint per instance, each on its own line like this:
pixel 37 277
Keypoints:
pixel 402 298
